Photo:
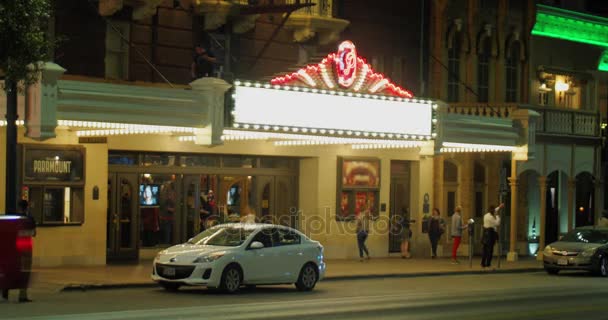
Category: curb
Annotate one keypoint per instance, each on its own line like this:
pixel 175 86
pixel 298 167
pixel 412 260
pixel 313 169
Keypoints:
pixel 151 284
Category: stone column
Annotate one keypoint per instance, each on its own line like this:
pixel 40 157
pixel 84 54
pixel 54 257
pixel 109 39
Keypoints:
pixel 571 190
pixel 466 191
pixel 598 201
pixel 542 185
pixel 211 96
pixel 512 255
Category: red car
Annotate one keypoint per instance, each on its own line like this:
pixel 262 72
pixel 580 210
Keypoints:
pixel 16 234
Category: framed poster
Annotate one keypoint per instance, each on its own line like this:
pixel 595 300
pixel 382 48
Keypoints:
pixel 358 187
pixel 360 173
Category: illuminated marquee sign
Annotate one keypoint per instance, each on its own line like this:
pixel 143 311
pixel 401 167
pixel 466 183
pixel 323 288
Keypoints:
pixel 283 108
pixel 340 96
pixel 343 70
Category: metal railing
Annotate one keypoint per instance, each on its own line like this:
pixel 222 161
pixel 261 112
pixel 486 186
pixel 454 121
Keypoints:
pixel 322 8
pixel 552 120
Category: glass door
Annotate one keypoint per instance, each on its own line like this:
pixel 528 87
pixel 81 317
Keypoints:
pixel 399 210
pixel 276 200
pixel 191 206
pixel 122 233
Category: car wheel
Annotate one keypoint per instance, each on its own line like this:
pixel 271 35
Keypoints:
pixel 170 286
pixel 552 271
pixel 231 279
pixel 308 277
pixel 602 270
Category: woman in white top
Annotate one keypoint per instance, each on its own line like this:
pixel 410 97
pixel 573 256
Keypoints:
pixel 491 222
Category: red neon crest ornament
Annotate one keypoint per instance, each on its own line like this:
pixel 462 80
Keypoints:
pixel 346 64
pixel 343 70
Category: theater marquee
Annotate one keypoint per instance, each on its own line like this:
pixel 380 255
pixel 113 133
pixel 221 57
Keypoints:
pixel 341 98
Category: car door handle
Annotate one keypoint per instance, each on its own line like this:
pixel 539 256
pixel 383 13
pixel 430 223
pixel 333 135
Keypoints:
pixel 300 253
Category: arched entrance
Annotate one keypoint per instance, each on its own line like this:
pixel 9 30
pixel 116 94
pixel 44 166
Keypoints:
pixel 585 198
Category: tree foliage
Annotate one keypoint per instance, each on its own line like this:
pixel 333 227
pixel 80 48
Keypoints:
pixel 23 38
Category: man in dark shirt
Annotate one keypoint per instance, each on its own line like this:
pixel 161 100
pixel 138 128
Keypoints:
pixel 202 63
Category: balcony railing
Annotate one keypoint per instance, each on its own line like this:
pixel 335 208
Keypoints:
pixel 551 120
pixel 567 122
pixel 322 8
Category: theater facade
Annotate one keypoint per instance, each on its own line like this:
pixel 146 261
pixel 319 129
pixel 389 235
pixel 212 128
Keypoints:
pixel 118 171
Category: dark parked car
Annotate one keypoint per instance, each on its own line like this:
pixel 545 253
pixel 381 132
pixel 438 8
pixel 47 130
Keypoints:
pixel 584 248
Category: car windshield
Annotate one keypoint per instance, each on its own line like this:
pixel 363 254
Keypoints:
pixel 586 236
pixel 227 236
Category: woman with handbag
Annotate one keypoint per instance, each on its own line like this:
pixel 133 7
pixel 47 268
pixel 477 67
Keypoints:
pixel 491 222
pixel 436 229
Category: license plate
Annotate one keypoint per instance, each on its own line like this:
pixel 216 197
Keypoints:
pixel 562 262
pixel 169 272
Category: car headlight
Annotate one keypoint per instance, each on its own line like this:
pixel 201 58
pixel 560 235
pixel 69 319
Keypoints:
pixel 548 251
pixel 209 258
pixel 588 253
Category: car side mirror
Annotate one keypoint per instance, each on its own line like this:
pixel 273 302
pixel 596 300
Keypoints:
pixel 256 245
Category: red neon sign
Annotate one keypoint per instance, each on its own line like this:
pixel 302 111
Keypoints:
pixel 346 64
pixel 344 69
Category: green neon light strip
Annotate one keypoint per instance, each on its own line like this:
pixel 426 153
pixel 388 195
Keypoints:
pixel 603 65
pixel 573 26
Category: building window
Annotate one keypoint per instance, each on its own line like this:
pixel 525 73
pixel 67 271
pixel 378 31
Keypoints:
pixel 56 205
pixel 483 71
pixel 454 69
pixel 117 50
pixel 512 73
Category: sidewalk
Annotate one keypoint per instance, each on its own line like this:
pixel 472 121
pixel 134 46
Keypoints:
pixel 138 275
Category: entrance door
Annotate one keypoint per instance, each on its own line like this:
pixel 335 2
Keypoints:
pixel 192 206
pixel 399 203
pixel 122 236
pixel 276 200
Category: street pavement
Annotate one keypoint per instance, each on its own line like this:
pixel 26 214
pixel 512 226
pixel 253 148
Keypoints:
pixel 534 295
pixel 52 280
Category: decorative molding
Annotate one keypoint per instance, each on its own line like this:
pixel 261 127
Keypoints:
pixel 109 7
pixel 306 26
pixel 215 12
pixel 243 24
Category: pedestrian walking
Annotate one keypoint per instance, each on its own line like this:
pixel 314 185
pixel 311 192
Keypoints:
pixel 23 211
pixel 407 236
pixel 491 222
pixel 456 232
pixel 362 233
pixel 436 229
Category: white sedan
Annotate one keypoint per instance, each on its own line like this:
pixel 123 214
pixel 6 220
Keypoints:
pixel 229 256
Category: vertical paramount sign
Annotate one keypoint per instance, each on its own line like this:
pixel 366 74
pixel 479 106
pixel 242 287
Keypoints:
pixel 47 164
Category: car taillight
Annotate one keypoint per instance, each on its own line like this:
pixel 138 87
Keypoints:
pixel 24 244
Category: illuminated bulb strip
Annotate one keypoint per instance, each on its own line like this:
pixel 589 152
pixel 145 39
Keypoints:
pixel 186 138
pixel 302 73
pixel 320 140
pixel 362 77
pixel 412 144
pixel 325 76
pixel 124 126
pixel 17 122
pixel 379 85
pixel 482 147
